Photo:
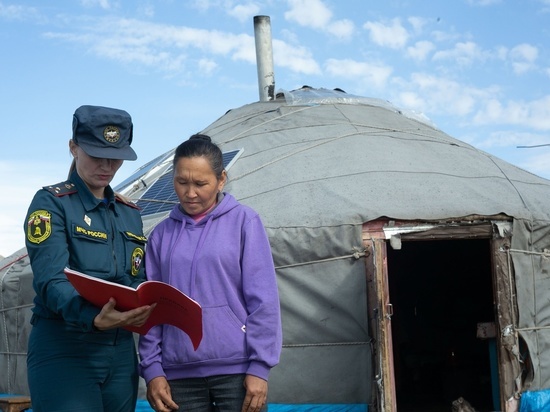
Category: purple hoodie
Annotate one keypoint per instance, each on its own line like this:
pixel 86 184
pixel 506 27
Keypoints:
pixel 224 262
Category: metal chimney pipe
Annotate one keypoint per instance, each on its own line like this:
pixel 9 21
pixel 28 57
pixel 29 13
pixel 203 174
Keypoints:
pixel 264 58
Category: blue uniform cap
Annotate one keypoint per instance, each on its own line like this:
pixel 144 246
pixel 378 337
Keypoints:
pixel 104 132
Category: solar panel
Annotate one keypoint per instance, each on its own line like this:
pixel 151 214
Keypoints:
pixel 229 158
pixel 143 170
pixel 161 197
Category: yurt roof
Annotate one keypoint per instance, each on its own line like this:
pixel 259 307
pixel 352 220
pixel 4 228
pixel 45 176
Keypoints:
pixel 319 157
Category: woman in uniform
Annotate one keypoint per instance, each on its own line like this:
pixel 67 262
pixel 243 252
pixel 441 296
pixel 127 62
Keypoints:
pixel 80 358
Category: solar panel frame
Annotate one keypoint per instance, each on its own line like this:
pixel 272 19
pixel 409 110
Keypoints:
pixel 142 171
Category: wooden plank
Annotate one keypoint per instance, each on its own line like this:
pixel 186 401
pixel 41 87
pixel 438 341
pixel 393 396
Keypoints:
pixel 14 403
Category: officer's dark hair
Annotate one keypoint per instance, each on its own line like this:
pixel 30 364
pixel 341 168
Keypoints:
pixel 72 168
pixel 201 145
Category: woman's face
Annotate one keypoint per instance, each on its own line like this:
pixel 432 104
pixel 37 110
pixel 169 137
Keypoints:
pixel 196 184
pixel 95 172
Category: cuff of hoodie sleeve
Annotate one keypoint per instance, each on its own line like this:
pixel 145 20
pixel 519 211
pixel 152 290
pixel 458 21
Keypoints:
pixel 152 371
pixel 258 369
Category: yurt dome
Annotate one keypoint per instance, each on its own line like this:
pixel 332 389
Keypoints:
pixel 413 269
pixel 336 179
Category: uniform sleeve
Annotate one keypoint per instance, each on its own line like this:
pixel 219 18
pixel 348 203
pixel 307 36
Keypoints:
pixel 149 346
pixel 263 326
pixel 46 242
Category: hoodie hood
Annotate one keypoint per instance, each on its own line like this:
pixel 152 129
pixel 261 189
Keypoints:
pixel 203 226
pixel 227 203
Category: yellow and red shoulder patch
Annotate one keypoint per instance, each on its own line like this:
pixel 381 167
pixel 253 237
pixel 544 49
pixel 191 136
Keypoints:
pixel 39 226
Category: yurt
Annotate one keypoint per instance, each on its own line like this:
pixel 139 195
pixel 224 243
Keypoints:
pixel 413 269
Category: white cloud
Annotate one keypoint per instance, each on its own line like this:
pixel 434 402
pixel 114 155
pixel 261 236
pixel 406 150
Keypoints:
pixel 147 10
pixel 501 53
pixel 297 59
pixel 370 75
pixel 411 99
pixel 464 53
pixel 316 15
pixel 168 49
pixel 443 36
pixel 511 138
pixel 538 163
pixel 539 113
pixel 289 36
pixel 483 3
pixel 207 66
pixel 244 12
pixel 201 5
pixel 546 6
pixel 417 23
pixel 17 12
pixel 309 13
pixel 158 46
pixel 420 50
pixel 532 115
pixel 104 4
pixel 342 29
pixel 392 35
pixel 523 58
pixel 439 95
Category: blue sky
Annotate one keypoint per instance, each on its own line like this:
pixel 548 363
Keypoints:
pixel 478 69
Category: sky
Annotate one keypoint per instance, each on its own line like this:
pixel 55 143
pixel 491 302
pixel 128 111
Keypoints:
pixel 477 69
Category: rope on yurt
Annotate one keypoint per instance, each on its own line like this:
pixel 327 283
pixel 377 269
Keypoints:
pixel 359 253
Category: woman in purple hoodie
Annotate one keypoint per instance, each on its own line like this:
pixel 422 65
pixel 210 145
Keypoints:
pixel 216 251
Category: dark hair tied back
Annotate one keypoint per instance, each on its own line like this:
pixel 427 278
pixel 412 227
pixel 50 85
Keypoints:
pixel 199 136
pixel 201 145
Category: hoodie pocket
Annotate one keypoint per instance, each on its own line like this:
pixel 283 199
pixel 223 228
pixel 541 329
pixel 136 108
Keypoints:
pixel 224 338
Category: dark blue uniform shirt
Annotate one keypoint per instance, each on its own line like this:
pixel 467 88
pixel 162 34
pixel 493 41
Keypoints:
pixel 67 226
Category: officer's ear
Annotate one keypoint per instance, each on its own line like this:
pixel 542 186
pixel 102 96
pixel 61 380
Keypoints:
pixel 72 147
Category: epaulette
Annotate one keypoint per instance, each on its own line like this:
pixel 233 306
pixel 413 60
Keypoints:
pixel 125 200
pixel 62 189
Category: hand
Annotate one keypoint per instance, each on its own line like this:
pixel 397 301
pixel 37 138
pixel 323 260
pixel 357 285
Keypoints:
pixel 160 396
pixel 256 394
pixel 110 318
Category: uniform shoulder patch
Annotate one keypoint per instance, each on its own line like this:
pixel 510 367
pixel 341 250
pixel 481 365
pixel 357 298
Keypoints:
pixel 62 189
pixel 39 226
pixel 125 200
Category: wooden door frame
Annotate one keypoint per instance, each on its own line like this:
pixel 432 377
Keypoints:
pixel 376 236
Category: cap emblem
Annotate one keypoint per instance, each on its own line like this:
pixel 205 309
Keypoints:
pixel 111 134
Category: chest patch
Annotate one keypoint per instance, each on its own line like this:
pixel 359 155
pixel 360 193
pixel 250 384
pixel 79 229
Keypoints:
pixel 92 234
pixel 137 259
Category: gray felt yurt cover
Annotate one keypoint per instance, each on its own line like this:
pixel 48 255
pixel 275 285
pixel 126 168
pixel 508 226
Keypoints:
pixel 317 164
